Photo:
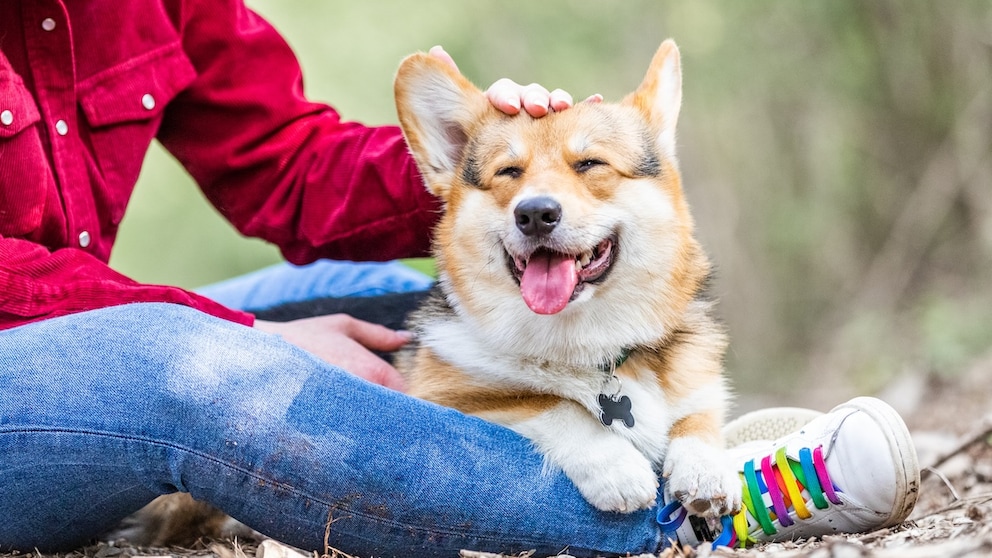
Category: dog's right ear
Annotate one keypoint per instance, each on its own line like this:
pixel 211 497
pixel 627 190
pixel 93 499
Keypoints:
pixel 437 108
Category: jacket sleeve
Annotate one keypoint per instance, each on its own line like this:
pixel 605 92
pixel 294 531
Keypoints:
pixel 37 284
pixel 282 168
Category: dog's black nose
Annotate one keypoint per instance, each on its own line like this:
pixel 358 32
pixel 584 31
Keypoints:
pixel 536 216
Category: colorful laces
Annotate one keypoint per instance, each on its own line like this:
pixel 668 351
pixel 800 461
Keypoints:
pixel 771 488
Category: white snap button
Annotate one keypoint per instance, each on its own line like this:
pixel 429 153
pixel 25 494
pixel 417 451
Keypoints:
pixel 148 101
pixel 61 127
pixel 6 118
pixel 48 24
pixel 84 239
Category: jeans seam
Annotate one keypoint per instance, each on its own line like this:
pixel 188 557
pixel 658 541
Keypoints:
pixel 291 489
pixel 43 430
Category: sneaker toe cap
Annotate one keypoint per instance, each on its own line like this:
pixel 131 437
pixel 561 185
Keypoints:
pixel 872 461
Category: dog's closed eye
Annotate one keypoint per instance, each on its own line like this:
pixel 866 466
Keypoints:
pixel 510 172
pixel 587 164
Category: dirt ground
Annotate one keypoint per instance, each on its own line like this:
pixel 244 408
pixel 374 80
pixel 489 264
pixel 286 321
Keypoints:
pixel 951 422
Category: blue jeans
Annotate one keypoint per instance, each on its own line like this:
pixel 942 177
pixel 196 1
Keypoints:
pixel 283 283
pixel 102 411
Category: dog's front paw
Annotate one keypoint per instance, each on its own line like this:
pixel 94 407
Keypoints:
pixel 616 483
pixel 701 477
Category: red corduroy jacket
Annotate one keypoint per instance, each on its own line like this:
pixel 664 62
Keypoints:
pixel 85 85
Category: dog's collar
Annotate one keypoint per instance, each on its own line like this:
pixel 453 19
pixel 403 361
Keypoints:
pixel 608 367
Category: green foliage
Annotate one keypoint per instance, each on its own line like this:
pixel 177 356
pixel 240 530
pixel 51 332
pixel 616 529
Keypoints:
pixel 836 155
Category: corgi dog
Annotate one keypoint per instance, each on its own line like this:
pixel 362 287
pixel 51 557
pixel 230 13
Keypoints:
pixel 570 305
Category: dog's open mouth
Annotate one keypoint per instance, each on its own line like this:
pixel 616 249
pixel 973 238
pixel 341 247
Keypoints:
pixel 549 279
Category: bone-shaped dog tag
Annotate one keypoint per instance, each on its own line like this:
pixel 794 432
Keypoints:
pixel 615 409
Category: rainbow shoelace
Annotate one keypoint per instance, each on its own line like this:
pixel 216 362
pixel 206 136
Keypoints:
pixel 783 480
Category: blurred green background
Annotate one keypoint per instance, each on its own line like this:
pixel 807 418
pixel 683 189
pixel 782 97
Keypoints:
pixel 836 154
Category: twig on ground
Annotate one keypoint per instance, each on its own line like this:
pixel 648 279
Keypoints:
pixel 976 500
pixel 944 478
pixel 329 551
pixel 979 433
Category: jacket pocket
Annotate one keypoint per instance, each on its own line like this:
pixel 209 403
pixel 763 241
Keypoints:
pixel 123 108
pixel 25 174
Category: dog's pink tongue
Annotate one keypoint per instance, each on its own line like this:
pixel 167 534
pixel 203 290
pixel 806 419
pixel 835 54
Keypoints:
pixel 548 282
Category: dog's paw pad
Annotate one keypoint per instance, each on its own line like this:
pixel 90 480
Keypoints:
pixel 698 506
pixel 713 506
pixel 702 481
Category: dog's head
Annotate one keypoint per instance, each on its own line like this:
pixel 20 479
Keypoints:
pixel 578 209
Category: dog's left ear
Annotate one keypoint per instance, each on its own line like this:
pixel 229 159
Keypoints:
pixel 659 97
pixel 438 109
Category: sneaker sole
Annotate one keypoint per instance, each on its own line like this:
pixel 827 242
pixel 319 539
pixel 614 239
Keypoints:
pixel 903 452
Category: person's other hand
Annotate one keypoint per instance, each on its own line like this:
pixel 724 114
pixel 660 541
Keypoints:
pixel 345 342
pixel 509 96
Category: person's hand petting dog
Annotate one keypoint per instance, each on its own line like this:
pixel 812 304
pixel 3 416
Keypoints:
pixel 509 96
pixel 347 342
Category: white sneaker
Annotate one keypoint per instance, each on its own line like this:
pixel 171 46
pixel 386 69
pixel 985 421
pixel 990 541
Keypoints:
pixel 851 470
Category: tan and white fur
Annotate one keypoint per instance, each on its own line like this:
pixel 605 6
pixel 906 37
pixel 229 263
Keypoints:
pixel 516 336
pixel 494 342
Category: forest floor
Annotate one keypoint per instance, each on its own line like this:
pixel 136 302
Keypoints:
pixel 951 423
